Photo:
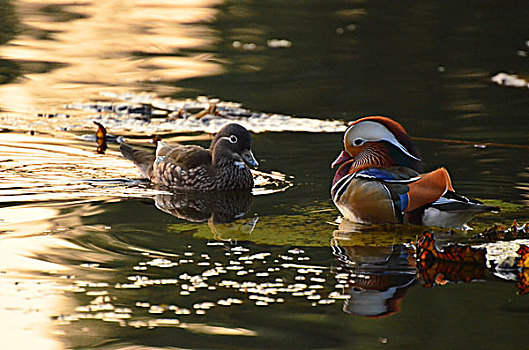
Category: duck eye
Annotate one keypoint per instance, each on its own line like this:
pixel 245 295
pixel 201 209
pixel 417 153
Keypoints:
pixel 233 139
pixel 358 142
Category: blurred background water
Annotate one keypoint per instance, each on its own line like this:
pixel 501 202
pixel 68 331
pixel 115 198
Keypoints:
pixel 88 264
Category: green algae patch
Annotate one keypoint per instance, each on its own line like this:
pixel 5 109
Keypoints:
pixel 270 230
pixel 509 212
pixel 316 225
pixel 311 226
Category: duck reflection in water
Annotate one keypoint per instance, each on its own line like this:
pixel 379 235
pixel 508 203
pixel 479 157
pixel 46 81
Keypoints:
pixel 376 274
pixel 376 277
pixel 223 210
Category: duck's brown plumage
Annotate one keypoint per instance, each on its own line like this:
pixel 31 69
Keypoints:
pixel 219 168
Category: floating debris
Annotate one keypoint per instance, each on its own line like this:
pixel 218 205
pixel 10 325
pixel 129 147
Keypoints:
pixel 278 43
pixel 523 257
pixel 111 107
pixel 465 263
pixel 426 251
pixel 512 80
pixel 52 115
pixel 192 115
pixel 499 232
pixel 101 138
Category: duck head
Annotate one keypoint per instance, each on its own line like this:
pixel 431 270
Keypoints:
pixel 375 142
pixel 233 143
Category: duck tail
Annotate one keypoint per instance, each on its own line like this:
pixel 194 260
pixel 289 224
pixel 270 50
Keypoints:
pixel 143 159
pixel 491 208
pixel 464 203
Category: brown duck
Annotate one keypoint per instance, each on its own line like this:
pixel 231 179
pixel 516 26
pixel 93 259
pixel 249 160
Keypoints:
pixel 222 167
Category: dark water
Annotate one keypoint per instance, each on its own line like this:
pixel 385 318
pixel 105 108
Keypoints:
pixel 115 264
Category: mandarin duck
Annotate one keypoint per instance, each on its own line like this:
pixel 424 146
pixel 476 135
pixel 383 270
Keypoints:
pixel 378 180
pixel 222 167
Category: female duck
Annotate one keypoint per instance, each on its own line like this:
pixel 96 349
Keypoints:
pixel 222 167
pixel 377 180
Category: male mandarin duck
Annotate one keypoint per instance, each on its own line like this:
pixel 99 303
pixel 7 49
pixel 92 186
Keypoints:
pixel 378 180
pixel 222 167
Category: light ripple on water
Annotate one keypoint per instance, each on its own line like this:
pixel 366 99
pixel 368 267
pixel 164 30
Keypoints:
pixel 43 168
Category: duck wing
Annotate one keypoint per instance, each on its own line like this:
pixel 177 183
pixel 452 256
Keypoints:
pixel 433 202
pixel 187 157
pixel 428 189
pixel 184 167
pixel 453 202
pixel 451 210
pixel 396 180
pixel 408 189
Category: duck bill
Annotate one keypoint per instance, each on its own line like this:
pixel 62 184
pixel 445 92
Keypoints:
pixel 342 158
pixel 249 158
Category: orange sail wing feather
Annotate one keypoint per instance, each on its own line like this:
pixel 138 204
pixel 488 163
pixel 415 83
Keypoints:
pixel 429 188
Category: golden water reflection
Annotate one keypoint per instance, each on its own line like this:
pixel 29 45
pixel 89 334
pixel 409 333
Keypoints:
pixel 30 296
pixel 96 46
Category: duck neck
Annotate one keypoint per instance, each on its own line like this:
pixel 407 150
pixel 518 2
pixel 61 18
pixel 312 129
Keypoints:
pixel 375 155
pixel 230 173
pixel 220 158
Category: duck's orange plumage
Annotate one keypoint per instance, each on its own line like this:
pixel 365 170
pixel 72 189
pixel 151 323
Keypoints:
pixel 429 188
pixel 378 180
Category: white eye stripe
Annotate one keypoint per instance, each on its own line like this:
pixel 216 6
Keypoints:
pixel 374 132
pixel 231 138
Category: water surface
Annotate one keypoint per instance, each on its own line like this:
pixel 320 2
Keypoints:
pixel 94 258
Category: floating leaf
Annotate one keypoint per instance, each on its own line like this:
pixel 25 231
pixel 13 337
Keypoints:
pixel 454 252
